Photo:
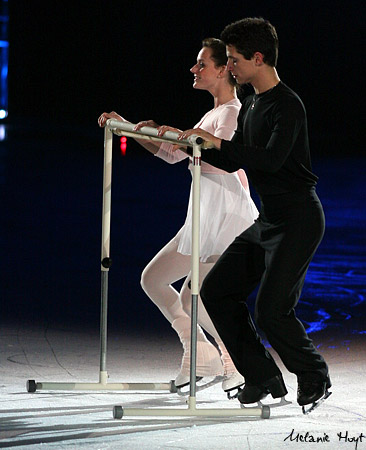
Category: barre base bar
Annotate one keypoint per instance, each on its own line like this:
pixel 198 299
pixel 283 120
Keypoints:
pixel 254 411
pixel 32 386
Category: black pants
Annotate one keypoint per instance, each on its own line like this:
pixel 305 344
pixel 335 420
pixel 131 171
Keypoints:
pixel 275 253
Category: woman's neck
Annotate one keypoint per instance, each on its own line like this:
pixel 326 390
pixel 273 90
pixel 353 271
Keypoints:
pixel 224 96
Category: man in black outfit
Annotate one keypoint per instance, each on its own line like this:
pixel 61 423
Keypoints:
pixel 271 141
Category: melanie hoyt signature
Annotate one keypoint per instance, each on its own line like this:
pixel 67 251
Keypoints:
pixel 342 436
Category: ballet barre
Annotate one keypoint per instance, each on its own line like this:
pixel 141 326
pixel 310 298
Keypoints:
pixel 197 143
pixel 151 134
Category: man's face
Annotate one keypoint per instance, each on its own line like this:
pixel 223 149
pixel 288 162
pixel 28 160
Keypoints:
pixel 243 70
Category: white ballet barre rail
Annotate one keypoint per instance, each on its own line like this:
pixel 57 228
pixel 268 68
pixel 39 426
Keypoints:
pixel 149 133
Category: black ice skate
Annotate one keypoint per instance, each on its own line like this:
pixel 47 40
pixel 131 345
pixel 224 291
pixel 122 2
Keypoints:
pixel 255 393
pixel 313 393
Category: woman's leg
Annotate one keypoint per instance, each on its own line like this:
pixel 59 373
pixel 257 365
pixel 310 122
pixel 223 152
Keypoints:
pixel 157 278
pixel 185 298
pixel 232 378
pixel 164 269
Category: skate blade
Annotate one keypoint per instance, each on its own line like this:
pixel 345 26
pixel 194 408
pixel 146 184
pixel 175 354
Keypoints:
pixel 203 384
pixel 316 404
pixel 186 384
pixel 282 402
pixel 234 392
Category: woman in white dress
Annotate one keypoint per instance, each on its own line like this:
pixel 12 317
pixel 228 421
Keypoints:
pixel 226 210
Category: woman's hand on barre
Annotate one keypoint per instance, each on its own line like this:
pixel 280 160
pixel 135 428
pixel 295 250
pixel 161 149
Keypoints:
pixel 145 123
pixel 102 120
pixel 205 135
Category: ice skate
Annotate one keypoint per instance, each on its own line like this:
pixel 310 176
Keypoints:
pixel 312 393
pixel 232 383
pixel 233 380
pixel 255 393
pixel 209 367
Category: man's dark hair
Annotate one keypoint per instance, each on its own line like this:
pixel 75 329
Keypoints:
pixel 251 35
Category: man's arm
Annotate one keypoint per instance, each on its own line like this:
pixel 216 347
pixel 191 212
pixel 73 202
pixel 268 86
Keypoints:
pixel 288 120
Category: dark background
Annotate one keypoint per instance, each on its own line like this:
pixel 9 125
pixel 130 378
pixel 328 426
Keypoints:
pixel 70 61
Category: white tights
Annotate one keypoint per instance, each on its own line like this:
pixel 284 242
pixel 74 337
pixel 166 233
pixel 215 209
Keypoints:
pixel 167 267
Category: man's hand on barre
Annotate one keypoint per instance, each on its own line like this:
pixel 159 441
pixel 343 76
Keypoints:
pixel 145 123
pixel 206 136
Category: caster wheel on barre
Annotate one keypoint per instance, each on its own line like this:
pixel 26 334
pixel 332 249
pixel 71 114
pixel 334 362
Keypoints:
pixel 31 386
pixel 173 387
pixel 117 412
pixel 266 412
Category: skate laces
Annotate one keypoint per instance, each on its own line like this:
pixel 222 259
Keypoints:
pixel 208 359
pixel 228 365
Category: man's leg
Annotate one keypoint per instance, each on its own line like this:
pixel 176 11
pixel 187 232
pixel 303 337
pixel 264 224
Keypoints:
pixel 288 255
pixel 289 248
pixel 224 293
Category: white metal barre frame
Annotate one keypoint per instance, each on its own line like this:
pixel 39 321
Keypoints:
pixel 112 127
pixel 191 411
pixel 148 133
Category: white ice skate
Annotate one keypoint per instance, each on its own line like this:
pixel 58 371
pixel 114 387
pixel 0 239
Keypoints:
pixel 208 361
pixel 231 384
pixel 232 378
pixel 209 370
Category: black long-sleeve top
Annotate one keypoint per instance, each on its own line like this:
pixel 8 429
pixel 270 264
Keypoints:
pixel 271 142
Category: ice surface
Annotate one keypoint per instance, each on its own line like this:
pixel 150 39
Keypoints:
pixel 73 419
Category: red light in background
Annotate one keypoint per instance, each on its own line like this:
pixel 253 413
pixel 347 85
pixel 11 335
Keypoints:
pixel 123 145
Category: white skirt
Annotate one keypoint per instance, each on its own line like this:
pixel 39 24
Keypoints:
pixel 226 210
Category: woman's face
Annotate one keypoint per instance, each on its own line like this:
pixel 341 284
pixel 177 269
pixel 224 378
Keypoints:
pixel 206 74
